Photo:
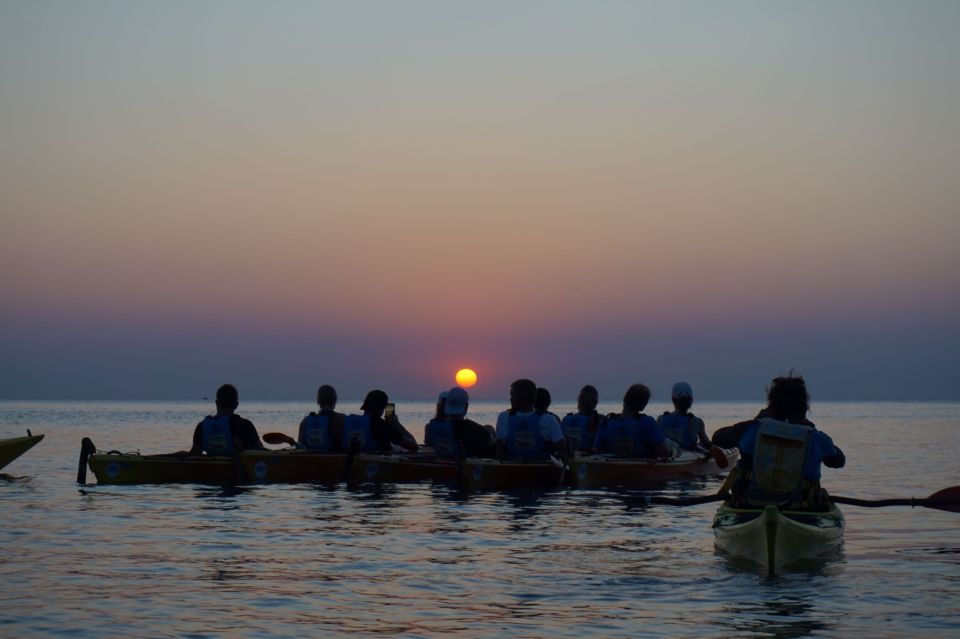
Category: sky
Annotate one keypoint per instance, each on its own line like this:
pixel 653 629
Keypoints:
pixel 374 194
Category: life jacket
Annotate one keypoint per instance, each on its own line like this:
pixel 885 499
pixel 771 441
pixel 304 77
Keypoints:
pixel 316 432
pixel 524 438
pixel 217 438
pixel 574 427
pixel 357 427
pixel 779 455
pixel 443 439
pixel 677 428
pixel 621 436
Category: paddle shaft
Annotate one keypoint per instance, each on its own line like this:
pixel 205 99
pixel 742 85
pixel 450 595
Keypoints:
pixel 947 500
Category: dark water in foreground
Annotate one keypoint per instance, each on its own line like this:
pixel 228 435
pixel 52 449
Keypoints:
pixel 423 561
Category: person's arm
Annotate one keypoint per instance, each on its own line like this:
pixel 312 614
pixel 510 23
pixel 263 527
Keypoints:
pixel 500 432
pixel 702 433
pixel 400 435
pixel 834 457
pixel 657 440
pixel 245 433
pixel 729 437
pixel 552 432
pixel 197 447
pixel 427 439
pixel 300 440
pixel 598 439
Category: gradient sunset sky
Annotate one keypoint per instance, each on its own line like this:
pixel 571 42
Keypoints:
pixel 373 194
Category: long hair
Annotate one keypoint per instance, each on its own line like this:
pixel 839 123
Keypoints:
pixel 787 398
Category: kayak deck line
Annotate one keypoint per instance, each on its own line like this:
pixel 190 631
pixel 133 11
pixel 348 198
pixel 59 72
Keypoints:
pixel 775 537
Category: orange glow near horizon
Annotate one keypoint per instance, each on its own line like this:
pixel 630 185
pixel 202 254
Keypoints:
pixel 466 377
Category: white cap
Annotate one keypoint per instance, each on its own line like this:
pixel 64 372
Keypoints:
pixel 457 399
pixel 682 389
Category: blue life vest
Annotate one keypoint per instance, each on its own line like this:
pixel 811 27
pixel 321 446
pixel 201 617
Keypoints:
pixel 316 432
pixel 574 427
pixel 443 439
pixel 357 427
pixel 677 428
pixel 216 436
pixel 779 451
pixel 628 437
pixel 524 439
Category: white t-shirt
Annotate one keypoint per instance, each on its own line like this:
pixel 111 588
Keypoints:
pixel 549 426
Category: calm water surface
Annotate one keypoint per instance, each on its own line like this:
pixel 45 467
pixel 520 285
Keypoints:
pixel 423 561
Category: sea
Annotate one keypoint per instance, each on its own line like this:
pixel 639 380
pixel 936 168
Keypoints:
pixel 421 560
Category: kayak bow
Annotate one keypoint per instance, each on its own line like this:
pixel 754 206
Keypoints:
pixel 12 448
pixel 774 538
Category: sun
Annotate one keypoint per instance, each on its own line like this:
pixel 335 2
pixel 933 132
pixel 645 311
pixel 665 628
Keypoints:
pixel 466 377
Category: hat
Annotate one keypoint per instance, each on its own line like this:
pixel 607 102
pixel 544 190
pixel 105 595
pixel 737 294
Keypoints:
pixel 457 399
pixel 682 389
pixel 375 400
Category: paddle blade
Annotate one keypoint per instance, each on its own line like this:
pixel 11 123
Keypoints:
pixel 719 456
pixel 279 438
pixel 947 499
pixel 682 501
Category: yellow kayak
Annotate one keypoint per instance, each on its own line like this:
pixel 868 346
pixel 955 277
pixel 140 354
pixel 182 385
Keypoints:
pixel 12 448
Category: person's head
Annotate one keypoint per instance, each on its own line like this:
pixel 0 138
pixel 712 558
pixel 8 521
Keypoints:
pixel 587 400
pixel 636 398
pixel 523 395
pixel 457 402
pixel 682 396
pixel 374 403
pixel 327 397
pixel 787 398
pixel 542 403
pixel 227 399
pixel 441 403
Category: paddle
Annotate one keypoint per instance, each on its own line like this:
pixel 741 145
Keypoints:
pixel 279 438
pixel 719 456
pixel 684 501
pixel 947 499
pixel 86 449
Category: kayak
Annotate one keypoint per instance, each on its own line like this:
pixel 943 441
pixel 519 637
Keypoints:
pixel 404 468
pixel 774 538
pixel 133 468
pixel 495 474
pixel 293 465
pixel 12 448
pixel 598 471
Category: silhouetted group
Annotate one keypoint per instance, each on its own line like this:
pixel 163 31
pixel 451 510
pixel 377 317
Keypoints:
pixel 781 450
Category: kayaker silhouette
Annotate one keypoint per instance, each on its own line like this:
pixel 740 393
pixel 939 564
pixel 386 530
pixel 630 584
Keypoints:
pixel 225 433
pixel 323 430
pixel 522 433
pixel 681 426
pixel 631 433
pixel 781 450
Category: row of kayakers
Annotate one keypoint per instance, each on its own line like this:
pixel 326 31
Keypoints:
pixel 528 430
pixel 781 450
